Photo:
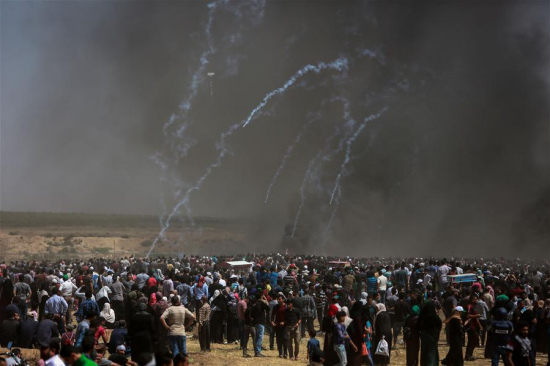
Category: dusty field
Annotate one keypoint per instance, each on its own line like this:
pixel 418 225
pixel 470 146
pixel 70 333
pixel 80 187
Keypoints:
pixel 231 355
pixel 39 235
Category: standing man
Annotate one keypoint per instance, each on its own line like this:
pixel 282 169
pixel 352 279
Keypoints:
pixel 174 320
pixel 260 311
pixel 204 325
pixel 278 324
pixel 442 273
pixel 22 291
pixel 293 319
pixel 57 307
pixel 308 313
pixel 382 286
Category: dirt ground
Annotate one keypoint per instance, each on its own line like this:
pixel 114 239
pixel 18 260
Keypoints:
pixel 230 354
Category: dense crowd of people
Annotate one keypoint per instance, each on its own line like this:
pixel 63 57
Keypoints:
pixel 136 311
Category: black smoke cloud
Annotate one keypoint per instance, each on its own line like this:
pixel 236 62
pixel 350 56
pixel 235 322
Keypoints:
pixel 458 165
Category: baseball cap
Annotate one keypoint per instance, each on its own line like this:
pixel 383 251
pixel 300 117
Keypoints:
pixel 459 308
pixel 120 347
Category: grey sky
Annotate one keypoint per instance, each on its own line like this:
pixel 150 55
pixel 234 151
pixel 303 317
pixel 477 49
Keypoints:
pixel 461 154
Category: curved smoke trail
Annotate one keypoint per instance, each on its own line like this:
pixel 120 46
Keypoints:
pixel 187 104
pixel 288 153
pixel 349 142
pixel 340 64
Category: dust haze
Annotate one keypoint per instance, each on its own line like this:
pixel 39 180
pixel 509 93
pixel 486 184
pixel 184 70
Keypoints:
pixel 458 165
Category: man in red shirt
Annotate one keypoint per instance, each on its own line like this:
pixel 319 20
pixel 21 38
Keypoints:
pixel 278 323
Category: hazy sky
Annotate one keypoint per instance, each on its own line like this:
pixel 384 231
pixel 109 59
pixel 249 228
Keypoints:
pixel 460 155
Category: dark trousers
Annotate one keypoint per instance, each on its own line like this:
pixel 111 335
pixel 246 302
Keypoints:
pixel 249 331
pixel 271 331
pixel 320 315
pixel 307 323
pixel 473 342
pixel 282 346
pixel 119 309
pixel 204 335
pixel 241 331
pixel 483 323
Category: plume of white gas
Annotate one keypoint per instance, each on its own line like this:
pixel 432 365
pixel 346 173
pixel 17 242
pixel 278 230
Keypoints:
pixel 290 148
pixel 349 143
pixel 340 64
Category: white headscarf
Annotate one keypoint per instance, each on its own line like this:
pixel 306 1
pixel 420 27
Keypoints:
pixel 107 313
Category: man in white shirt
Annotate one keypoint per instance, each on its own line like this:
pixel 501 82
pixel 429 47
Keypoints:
pixel 442 272
pixel 50 353
pixel 382 287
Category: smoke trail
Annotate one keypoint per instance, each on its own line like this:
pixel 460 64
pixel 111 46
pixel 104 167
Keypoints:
pixel 349 142
pixel 288 153
pixel 339 64
pixel 307 177
pixel 197 77
pixel 339 196
pixel 332 215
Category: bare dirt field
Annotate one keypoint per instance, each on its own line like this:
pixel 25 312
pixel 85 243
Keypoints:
pixel 231 355
pixel 53 235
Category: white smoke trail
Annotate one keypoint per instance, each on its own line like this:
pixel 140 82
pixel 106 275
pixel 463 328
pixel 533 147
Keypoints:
pixel 198 76
pixel 288 153
pixel 307 177
pixel 340 64
pixel 349 142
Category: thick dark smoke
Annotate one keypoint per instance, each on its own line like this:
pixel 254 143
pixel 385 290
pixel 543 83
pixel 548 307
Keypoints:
pixel 458 165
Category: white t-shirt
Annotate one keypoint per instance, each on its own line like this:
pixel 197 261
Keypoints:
pixel 55 361
pixel 442 272
pixel 382 282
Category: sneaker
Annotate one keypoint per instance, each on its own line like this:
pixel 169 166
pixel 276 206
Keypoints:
pixel 224 342
pixel 259 355
pixel 246 355
pixel 469 359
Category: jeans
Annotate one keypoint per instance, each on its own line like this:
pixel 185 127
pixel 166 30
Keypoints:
pixel 258 340
pixel 177 344
pixel 382 296
pixel 340 350
pixel 497 352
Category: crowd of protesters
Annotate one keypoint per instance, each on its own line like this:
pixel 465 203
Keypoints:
pixel 135 311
